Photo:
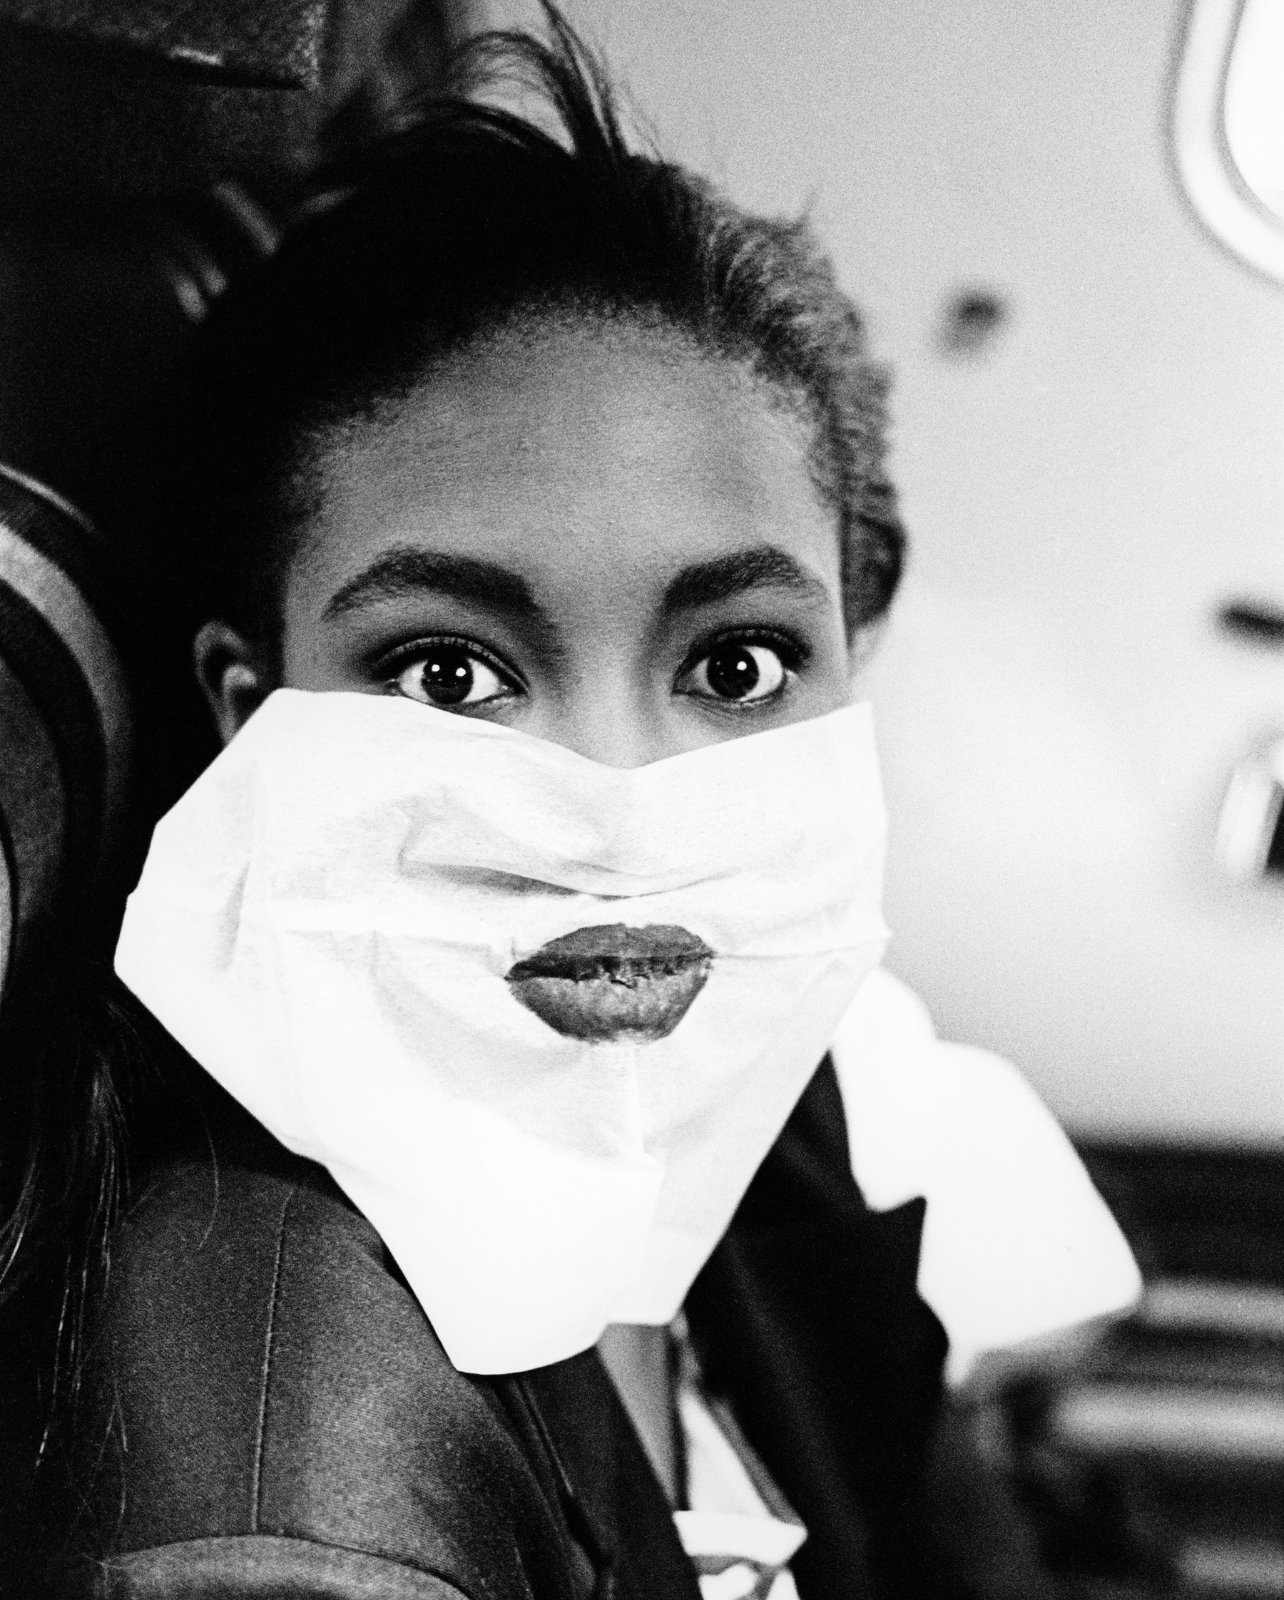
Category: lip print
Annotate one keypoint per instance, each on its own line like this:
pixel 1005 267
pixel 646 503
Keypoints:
pixel 606 983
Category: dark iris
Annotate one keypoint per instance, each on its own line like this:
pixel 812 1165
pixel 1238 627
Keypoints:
pixel 732 671
pixel 447 676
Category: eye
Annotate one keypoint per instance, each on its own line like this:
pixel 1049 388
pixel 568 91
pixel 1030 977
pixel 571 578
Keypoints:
pixel 448 675
pixel 737 672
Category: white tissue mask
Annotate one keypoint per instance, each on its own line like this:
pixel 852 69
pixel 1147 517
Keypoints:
pixel 328 921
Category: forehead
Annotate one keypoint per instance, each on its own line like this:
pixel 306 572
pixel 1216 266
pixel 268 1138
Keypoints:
pixel 570 449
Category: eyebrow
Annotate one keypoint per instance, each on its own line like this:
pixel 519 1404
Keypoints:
pixel 762 566
pixel 407 571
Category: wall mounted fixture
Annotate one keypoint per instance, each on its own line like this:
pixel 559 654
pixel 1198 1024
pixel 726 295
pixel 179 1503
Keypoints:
pixel 1250 830
pixel 1227 125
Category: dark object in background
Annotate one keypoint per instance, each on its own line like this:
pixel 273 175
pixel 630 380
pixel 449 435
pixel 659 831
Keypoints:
pixel 64 716
pixel 1155 1466
pixel 156 97
pixel 149 151
pixel 1252 622
pixel 971 322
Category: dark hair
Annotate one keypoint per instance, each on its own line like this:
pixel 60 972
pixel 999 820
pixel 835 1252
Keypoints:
pixel 471 217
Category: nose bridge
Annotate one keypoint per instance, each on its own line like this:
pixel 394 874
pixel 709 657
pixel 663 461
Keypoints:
pixel 599 698
pixel 616 730
pixel 606 713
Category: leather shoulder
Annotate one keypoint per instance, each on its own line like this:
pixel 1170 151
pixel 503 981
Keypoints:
pixel 258 1567
pixel 262 1371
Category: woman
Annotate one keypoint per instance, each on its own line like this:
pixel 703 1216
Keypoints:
pixel 538 519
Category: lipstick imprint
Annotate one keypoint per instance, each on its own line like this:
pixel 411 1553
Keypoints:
pixel 613 982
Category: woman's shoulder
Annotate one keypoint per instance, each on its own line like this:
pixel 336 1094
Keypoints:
pixel 261 1373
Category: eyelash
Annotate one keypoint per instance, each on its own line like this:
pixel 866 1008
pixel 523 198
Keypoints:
pixel 793 653
pixel 390 666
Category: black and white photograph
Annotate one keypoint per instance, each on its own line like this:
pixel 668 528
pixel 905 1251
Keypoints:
pixel 641 800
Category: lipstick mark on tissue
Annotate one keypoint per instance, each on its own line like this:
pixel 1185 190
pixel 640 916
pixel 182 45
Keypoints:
pixel 607 983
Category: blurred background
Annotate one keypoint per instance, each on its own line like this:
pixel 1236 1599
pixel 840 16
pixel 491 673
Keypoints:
pixel 1063 224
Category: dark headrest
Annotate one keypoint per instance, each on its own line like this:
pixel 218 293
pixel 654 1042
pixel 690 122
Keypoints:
pixel 155 97
pixel 64 718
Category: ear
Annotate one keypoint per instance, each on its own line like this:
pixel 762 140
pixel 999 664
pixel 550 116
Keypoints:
pixel 232 675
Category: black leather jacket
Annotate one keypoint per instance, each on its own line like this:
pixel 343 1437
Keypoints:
pixel 272 1416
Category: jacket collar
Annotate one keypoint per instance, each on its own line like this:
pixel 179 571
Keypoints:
pixel 592 1462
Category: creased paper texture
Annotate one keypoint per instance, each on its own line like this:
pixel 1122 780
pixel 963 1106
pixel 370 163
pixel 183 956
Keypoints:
pixel 326 921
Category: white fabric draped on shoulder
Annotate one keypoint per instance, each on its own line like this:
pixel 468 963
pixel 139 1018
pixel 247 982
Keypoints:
pixel 1017 1243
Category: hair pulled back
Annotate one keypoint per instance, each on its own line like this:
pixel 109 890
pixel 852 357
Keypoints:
pixel 467 218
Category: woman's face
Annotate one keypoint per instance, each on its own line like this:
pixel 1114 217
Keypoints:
pixel 591 534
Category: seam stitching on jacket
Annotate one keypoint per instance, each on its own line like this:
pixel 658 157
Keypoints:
pixel 125 1559
pixel 256 1487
